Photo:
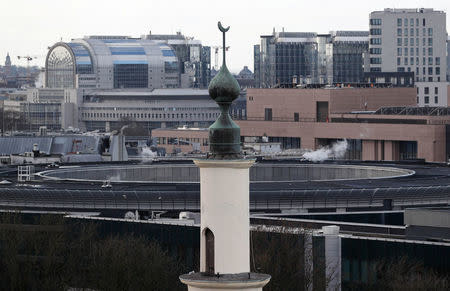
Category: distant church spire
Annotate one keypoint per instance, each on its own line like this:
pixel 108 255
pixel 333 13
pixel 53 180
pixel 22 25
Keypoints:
pixel 8 60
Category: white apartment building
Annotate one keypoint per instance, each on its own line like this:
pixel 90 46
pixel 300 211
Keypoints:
pixel 412 40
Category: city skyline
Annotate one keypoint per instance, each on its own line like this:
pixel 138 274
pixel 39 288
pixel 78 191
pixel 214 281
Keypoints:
pixel 54 21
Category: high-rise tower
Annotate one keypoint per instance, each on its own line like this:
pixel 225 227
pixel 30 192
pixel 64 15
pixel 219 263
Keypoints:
pixel 412 40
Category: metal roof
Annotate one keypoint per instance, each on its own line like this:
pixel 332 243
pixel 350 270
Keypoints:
pixel 49 144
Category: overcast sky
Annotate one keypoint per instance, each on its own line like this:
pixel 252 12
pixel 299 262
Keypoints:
pixel 29 27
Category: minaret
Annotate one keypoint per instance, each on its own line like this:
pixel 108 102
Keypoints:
pixel 224 200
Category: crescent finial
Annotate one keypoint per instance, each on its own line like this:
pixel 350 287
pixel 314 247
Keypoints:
pixel 221 28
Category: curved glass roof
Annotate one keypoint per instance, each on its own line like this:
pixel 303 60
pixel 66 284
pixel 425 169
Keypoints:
pixel 83 59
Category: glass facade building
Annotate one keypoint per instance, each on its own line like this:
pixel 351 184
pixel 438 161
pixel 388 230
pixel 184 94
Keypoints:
pixel 286 58
pixel 112 62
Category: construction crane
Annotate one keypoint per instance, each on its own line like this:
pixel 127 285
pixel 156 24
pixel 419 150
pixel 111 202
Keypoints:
pixel 29 59
pixel 216 55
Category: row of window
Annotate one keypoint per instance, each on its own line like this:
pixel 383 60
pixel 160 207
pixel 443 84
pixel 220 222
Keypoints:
pixel 426 100
pixel 411 41
pixel 410 61
pixel 375 41
pixel 181 140
pixel 375 51
pixel 375 31
pixel 411 32
pixel 411 21
pixel 375 60
pixel 149 108
pixel 148 115
pixel 375 21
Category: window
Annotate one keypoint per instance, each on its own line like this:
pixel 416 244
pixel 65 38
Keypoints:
pixel 423 41
pixel 417 22
pixel 430 51
pixel 406 32
pixel 375 60
pixel 411 32
pixel 296 117
pixel 406 22
pixel 399 32
pixel 430 79
pixel 130 75
pixel 417 72
pixel 399 51
pixel 375 69
pixel 375 21
pixel 411 61
pixel 375 51
pixel 430 41
pixel 438 61
pixel 436 99
pixel 423 71
pixel 400 69
pixel 430 70
pixel 399 22
pixel 406 51
pixel 430 31
pixel 209 252
pixel 399 41
pixel 375 31
pixel 430 61
pixel 405 41
pixel 375 41
pixel 406 61
pixel 411 51
pixel 426 90
pixel 423 21
pixel 436 90
pixel 268 114
pixel 438 70
pixel 411 41
pixel 417 52
pixel 398 61
pixel 411 22
pixel 427 99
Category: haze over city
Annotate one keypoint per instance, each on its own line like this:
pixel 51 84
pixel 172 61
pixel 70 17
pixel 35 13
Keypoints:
pixel 29 27
pixel 316 158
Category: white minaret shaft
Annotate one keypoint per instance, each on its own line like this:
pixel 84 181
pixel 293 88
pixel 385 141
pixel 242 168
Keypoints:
pixel 224 192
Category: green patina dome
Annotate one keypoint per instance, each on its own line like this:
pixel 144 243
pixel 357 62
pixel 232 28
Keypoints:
pixel 224 87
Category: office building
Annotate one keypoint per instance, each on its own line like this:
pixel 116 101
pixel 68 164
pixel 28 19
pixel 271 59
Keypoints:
pixel 194 60
pixel 118 62
pixel 412 40
pixel 378 123
pixel 286 58
pixel 107 110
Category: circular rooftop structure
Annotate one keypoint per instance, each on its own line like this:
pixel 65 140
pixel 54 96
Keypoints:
pixel 259 173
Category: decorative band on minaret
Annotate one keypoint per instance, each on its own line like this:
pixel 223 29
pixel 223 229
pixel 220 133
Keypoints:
pixel 224 200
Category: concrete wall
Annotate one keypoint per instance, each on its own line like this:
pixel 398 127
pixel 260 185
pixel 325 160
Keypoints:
pixel 285 102
pixel 258 173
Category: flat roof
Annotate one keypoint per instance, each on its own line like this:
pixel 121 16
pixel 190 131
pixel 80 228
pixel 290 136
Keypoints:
pixel 154 92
